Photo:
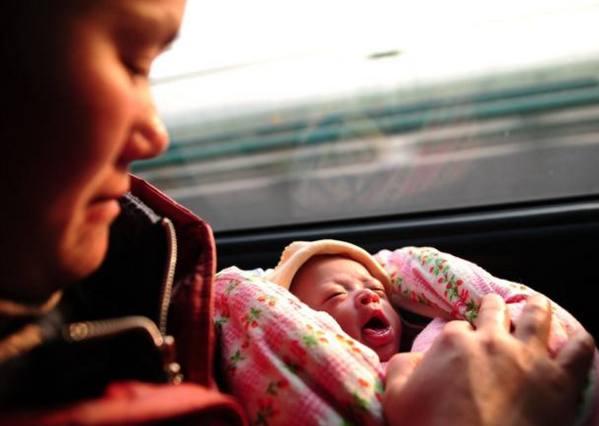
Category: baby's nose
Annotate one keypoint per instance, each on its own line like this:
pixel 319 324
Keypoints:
pixel 366 296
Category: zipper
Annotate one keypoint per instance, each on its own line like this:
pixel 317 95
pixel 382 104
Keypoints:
pixel 169 273
pixel 87 330
pixel 79 331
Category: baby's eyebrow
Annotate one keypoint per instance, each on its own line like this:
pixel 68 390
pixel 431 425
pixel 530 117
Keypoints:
pixel 344 281
pixel 373 283
pixel 339 282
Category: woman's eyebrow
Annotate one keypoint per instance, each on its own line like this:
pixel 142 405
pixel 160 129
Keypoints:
pixel 163 27
pixel 169 31
pixel 171 34
pixel 170 40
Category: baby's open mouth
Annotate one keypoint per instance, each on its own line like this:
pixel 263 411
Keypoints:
pixel 377 330
pixel 376 323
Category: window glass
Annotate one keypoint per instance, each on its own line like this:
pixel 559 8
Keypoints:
pixel 295 112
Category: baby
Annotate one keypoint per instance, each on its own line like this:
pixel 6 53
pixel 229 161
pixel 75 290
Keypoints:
pixel 349 284
pixel 355 288
pixel 275 346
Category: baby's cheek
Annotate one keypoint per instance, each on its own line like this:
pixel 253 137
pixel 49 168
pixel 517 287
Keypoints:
pixel 392 315
pixel 349 323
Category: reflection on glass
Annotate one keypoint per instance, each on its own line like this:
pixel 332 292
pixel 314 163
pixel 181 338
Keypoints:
pixel 347 134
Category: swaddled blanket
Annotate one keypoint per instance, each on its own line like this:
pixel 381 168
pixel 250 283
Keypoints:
pixel 291 365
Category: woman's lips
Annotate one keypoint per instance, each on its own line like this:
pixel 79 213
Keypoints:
pixel 103 210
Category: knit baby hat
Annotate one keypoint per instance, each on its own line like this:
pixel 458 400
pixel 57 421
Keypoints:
pixel 298 253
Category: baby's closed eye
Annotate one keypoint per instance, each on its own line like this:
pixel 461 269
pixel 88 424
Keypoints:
pixel 378 290
pixel 335 294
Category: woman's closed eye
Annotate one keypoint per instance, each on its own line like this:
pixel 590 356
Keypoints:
pixel 138 53
pixel 138 67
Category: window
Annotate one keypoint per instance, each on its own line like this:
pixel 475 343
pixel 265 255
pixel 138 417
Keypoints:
pixel 286 114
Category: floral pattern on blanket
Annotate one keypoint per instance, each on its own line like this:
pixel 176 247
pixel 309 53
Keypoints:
pixel 291 365
pixel 441 285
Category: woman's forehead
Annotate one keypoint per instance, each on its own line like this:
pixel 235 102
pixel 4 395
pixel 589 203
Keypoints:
pixel 161 12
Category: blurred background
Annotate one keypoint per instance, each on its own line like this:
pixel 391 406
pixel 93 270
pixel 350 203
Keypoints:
pixel 299 112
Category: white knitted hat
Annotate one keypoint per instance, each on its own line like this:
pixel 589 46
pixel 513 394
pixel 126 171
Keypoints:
pixel 298 253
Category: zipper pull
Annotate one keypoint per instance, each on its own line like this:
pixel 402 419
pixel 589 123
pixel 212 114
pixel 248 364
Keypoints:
pixel 169 356
pixel 87 330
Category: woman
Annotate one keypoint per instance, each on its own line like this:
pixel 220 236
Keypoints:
pixel 76 111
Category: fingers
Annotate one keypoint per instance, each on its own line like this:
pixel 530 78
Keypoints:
pixel 492 314
pixel 398 399
pixel 535 321
pixel 457 326
pixel 400 368
pixel 576 356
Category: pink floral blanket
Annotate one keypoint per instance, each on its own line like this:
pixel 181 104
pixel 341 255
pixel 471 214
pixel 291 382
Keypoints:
pixel 291 365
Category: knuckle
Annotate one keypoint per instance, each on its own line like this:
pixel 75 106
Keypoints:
pixel 537 302
pixel 587 341
pixel 492 301
pixel 490 311
pixel 535 307
pixel 492 298
pixel 453 333
pixel 584 343
pixel 490 342
pixel 456 326
pixel 536 310
pixel 529 328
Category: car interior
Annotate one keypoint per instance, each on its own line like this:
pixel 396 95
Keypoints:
pixel 476 134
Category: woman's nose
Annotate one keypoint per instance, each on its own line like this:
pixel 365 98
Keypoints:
pixel 366 297
pixel 148 137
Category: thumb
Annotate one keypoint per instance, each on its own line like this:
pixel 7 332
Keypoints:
pixel 400 368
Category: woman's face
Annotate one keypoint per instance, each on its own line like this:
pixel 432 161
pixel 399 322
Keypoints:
pixel 92 117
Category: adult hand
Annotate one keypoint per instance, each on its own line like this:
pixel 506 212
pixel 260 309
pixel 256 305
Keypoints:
pixel 487 376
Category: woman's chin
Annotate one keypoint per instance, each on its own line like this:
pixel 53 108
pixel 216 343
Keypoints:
pixel 83 258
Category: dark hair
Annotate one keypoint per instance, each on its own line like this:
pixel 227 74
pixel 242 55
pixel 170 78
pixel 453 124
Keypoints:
pixel 29 32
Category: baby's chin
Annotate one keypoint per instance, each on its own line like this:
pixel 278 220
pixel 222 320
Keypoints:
pixel 385 354
pixel 386 350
